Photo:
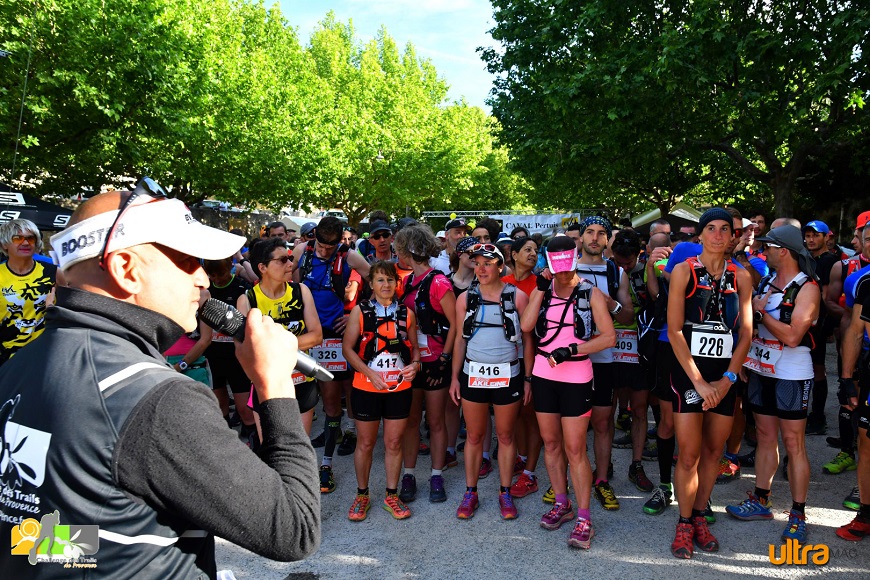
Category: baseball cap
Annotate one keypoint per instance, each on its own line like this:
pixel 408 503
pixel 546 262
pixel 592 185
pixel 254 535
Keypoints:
pixel 307 228
pixel 817 226
pixel 863 220
pixel 487 251
pixel 456 223
pixel 167 222
pixel 441 234
pixel 790 237
pixel 380 226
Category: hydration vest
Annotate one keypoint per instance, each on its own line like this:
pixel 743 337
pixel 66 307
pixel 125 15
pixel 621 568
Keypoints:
pixel 612 276
pixel 699 295
pixel 429 321
pixel 510 319
pixel 336 267
pixel 291 316
pixel 367 346
pixel 786 307
pixel 583 324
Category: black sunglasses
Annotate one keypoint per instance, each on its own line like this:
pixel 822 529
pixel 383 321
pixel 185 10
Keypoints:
pixel 323 242
pixel 145 186
pixel 380 235
pixel 282 259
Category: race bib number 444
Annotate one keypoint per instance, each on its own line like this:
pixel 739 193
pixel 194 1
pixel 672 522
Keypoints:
pixel 489 375
pixel 329 355
pixel 763 355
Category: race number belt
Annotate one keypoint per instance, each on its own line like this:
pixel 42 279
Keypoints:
pixel 763 355
pixel 329 355
pixel 625 350
pixel 488 375
pixel 711 341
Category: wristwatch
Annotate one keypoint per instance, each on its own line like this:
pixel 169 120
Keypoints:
pixel 182 365
pixel 757 316
pixel 446 356
pixel 527 379
pixel 730 376
pixel 616 309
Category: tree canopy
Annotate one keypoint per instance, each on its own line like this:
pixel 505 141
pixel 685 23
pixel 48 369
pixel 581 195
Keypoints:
pixel 220 98
pixel 716 100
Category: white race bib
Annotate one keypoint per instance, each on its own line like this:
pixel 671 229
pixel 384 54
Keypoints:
pixel 389 366
pixel 423 344
pixel 218 337
pixel 763 355
pixel 711 342
pixel 329 355
pixel 488 375
pixel 625 350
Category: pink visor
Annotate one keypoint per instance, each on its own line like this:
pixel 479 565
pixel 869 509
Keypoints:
pixel 564 261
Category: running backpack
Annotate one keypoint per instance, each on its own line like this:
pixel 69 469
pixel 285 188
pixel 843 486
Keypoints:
pixel 579 301
pixel 612 276
pixel 367 344
pixel 510 319
pixel 336 267
pixel 430 322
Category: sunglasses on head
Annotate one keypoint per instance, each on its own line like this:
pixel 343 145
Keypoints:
pixel 17 239
pixel 145 186
pixel 323 242
pixel 380 235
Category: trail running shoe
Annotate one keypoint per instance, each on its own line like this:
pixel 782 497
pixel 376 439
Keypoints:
pixel 553 519
pixel 703 538
pixel 327 481
pixel 796 529
pixel 360 508
pixel 661 498
pixel 423 449
pixel 436 489
pixel 842 462
pixel 506 506
pixel 623 441
pixel 450 460
pixel 467 506
pixel 638 477
pixel 519 465
pixel 728 471
pixel 348 444
pixel 524 486
pixel 650 452
pixel 606 496
pixel 485 468
pixel 623 422
pixel 652 432
pixel 854 531
pixel 709 514
pixel 581 535
pixel 747 460
pixel 409 488
pixel 751 509
pixel 549 496
pixel 396 507
pixel 682 545
pixel 853 500
pixel 319 441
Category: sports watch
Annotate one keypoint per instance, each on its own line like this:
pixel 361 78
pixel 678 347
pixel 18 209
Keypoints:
pixel 182 365
pixel 730 376
pixel 758 316
pixel 616 309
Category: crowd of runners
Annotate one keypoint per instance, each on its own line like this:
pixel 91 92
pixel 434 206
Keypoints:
pixel 718 330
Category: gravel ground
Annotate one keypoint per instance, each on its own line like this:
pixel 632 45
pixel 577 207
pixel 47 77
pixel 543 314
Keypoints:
pixel 433 543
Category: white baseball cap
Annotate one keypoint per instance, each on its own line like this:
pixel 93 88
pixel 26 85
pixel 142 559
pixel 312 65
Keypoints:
pixel 146 221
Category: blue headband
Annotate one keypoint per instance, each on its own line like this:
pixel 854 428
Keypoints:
pixel 600 221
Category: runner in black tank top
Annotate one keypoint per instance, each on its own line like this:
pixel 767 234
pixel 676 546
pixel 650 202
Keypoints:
pixel 710 328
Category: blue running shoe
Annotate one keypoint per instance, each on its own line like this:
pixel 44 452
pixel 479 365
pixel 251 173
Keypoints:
pixel 796 529
pixel 751 509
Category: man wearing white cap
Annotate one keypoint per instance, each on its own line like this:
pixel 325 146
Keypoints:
pixel 101 435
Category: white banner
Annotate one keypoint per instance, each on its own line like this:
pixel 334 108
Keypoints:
pixel 545 224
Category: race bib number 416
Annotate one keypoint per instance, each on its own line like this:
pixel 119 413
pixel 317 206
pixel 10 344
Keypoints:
pixel 489 375
pixel 329 355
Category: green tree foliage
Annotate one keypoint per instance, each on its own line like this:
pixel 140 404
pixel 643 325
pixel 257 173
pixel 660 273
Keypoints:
pixel 652 101
pixel 219 98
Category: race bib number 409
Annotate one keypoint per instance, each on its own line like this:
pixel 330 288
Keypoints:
pixel 489 375
pixel 625 349
pixel 329 355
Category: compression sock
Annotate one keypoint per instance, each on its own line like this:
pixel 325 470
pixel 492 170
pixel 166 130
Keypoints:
pixel 666 457
pixel 798 507
pixel 820 397
pixel 333 428
pixel 847 433
pixel 657 413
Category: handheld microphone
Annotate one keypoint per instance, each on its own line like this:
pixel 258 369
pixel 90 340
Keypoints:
pixel 227 320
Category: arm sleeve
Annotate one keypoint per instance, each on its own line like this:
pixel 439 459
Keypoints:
pixel 176 453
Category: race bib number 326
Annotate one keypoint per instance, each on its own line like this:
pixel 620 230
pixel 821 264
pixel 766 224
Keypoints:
pixel 329 355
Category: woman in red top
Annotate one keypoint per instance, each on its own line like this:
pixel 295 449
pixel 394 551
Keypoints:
pixel 380 343
pixel 525 255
